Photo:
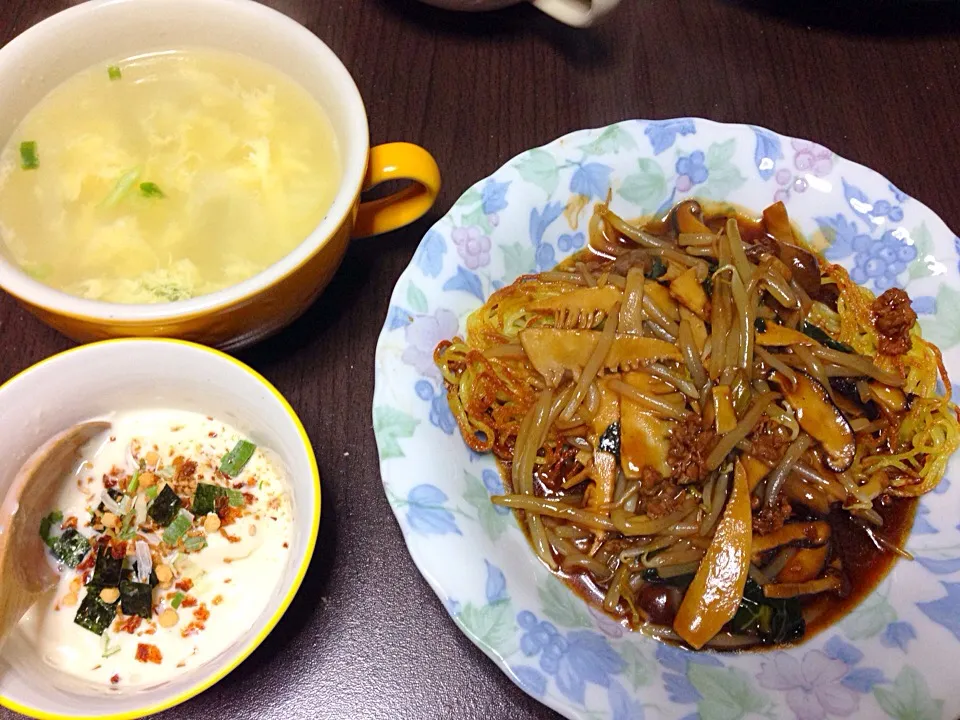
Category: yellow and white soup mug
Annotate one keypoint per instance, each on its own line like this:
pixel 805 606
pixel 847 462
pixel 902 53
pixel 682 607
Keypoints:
pixel 41 58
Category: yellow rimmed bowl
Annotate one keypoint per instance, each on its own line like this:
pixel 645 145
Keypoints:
pixel 129 374
pixel 98 31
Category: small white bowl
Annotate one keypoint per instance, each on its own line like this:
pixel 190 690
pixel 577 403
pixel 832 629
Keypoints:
pixel 118 375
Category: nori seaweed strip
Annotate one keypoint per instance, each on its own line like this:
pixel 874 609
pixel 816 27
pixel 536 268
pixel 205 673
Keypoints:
pixel 205 498
pixel 136 599
pixel 165 507
pixel 71 547
pixel 94 614
pixel 106 571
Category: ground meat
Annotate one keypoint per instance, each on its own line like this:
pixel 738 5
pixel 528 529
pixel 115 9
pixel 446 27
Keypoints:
pixel 149 653
pixel 769 520
pixel 769 441
pixel 659 496
pixel 690 444
pixel 186 584
pixel 893 317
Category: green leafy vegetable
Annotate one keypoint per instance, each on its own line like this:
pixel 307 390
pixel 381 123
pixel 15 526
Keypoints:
pixel 177 529
pixel 107 650
pixel 71 547
pixel 151 190
pixel 54 518
pixel 235 460
pixel 122 187
pixel 821 337
pixel 165 506
pixel 114 73
pixel 193 544
pixel 151 492
pixel 657 269
pixel 134 483
pixel 610 440
pixel 177 599
pixel 29 160
pixel 107 569
pixel 136 599
pixel 774 621
pixel 235 498
pixel 94 614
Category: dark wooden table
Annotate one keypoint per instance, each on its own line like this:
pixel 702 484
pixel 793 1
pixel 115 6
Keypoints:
pixel 873 81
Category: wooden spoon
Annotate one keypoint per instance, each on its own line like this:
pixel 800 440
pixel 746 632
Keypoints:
pixel 25 573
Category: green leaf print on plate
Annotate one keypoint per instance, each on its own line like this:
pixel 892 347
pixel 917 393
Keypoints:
pixel 924 264
pixel 728 693
pixel 870 618
pixel 645 188
pixel 416 299
pixel 540 168
pixel 389 426
pixel 492 522
pixel 943 329
pixel 612 140
pixel 517 260
pixel 561 605
pixel 908 698
pixel 724 175
pixel 491 624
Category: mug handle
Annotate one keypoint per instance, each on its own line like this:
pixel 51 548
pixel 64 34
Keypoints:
pixel 397 161
pixel 573 12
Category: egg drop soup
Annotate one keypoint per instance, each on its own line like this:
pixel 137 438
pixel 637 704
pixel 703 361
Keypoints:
pixel 165 176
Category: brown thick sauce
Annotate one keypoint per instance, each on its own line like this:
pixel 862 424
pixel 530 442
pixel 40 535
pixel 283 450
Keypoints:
pixel 864 565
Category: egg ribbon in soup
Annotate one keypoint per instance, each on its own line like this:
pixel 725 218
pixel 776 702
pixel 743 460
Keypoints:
pixel 165 176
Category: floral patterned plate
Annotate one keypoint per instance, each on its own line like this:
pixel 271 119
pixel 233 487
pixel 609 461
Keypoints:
pixel 895 656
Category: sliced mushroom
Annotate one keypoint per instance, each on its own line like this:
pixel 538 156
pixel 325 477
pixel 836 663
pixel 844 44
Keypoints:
pixel 554 352
pixel 582 308
pixel 688 217
pixel 820 418
pixel 802 262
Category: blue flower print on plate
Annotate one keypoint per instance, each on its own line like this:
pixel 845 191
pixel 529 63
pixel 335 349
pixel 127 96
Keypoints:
pixel 895 656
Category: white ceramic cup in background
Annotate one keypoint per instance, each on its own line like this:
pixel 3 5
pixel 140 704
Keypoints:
pixel 95 380
pixel 579 13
